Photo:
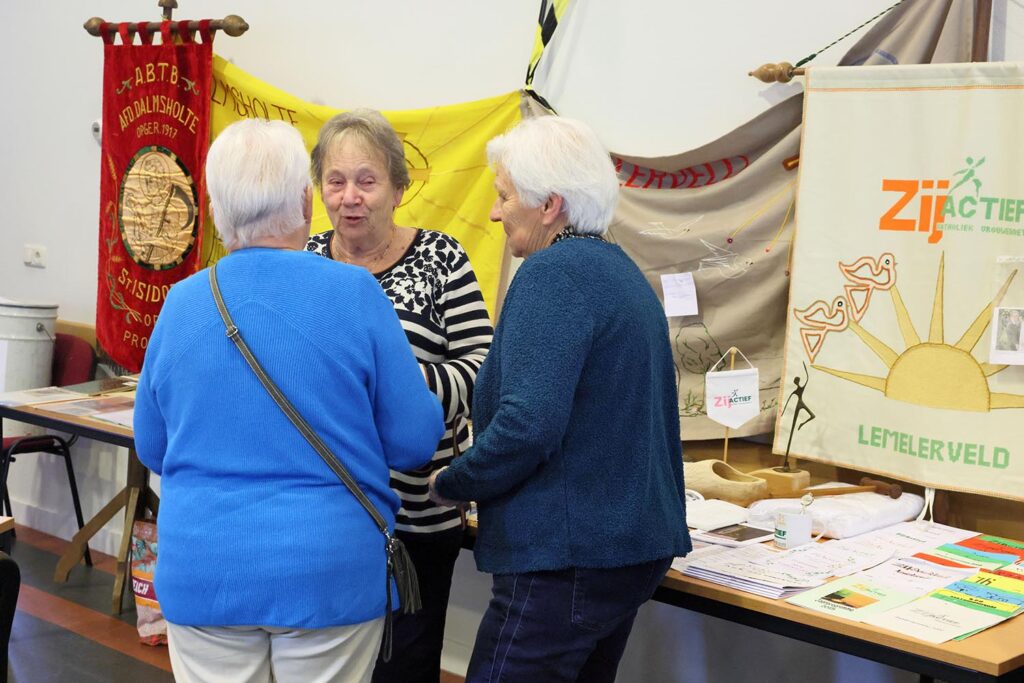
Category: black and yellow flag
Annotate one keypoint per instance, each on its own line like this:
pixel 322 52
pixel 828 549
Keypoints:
pixel 550 13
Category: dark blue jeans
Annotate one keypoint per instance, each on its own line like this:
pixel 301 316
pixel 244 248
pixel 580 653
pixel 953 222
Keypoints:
pixel 566 625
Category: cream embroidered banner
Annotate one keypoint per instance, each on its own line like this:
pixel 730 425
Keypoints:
pixel 445 148
pixel 910 233
pixel 725 211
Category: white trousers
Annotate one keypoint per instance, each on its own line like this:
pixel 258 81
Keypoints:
pixel 256 654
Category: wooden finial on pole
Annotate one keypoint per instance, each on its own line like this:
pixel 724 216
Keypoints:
pixel 168 7
pixel 782 72
pixel 732 366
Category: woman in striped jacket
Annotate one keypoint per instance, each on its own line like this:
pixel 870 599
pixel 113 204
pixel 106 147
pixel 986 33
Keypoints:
pixel 359 165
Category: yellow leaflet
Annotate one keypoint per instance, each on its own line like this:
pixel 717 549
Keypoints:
pixel 974 601
pixel 1003 583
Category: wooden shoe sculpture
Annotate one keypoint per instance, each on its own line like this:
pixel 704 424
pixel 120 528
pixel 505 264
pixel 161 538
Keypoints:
pixel 719 479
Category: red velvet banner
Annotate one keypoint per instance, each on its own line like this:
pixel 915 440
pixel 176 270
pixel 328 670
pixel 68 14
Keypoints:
pixel 156 102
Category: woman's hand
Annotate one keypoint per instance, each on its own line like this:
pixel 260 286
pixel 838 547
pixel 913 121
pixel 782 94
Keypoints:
pixel 432 492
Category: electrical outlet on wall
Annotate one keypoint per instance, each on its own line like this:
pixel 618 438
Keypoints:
pixel 35 256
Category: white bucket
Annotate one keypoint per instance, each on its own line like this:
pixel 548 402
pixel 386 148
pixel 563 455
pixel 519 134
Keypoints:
pixel 26 350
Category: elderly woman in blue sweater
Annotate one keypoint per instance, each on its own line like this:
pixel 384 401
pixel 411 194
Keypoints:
pixel 269 568
pixel 576 464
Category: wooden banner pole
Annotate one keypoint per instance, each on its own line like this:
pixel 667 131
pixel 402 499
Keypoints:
pixel 732 366
pixel 233 25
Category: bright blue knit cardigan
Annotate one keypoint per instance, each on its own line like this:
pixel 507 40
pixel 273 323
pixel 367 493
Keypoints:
pixel 254 529
pixel 576 459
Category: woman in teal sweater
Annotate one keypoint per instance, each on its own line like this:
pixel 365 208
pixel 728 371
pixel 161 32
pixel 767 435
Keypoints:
pixel 268 566
pixel 576 463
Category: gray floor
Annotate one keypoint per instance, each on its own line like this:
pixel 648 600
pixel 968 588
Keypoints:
pixel 41 652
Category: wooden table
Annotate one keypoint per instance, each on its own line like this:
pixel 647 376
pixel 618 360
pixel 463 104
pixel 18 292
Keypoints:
pixel 136 497
pixel 996 654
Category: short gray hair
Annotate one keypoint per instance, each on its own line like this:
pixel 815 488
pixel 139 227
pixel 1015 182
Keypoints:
pixel 257 174
pixel 370 126
pixel 555 155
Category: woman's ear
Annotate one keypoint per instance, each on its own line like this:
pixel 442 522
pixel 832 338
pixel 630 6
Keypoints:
pixel 307 204
pixel 551 209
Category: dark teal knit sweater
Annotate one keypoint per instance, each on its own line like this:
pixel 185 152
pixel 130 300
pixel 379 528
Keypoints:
pixel 576 460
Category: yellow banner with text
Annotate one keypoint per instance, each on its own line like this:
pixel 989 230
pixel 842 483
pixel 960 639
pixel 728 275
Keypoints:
pixel 445 149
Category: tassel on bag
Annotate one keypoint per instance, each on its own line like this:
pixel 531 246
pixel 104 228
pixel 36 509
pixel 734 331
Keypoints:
pixel 405 576
pixel 400 567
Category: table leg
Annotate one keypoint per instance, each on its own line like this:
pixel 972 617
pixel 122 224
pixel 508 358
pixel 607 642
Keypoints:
pixel 135 498
pixel 140 498
pixel 131 513
pixel 76 549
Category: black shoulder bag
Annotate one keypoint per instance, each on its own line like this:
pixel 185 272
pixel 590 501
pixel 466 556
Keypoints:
pixel 399 565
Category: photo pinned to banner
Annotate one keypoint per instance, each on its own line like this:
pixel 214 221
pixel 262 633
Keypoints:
pixel 680 294
pixel 1007 345
pixel 731 396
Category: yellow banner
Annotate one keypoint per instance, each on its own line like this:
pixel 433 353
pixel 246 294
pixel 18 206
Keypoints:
pixel 452 187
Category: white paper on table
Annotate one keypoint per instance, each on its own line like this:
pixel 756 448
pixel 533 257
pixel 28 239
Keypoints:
pixel 39 395
pixel 906 538
pixel 880 588
pixel 837 558
pixel 915 575
pixel 806 566
pixel 680 294
pixel 119 417
pixel 933 620
pixel 700 549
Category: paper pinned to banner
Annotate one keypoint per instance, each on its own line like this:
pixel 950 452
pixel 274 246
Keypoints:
pixel 680 294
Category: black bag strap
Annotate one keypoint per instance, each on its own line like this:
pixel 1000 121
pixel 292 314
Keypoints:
pixel 399 564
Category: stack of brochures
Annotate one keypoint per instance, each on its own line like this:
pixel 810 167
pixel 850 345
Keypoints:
pixel 951 591
pixel 762 570
pixel 993 593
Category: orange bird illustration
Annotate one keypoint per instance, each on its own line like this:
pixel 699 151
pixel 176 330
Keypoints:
pixel 876 273
pixel 867 274
pixel 819 319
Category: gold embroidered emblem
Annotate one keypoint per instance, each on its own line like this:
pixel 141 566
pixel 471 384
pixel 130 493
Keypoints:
pixel 157 209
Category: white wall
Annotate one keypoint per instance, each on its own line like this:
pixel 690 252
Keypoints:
pixel 652 76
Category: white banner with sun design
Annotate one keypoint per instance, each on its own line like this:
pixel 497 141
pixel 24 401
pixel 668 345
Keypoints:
pixel 910 233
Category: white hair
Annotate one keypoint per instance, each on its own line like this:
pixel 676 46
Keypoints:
pixel 257 174
pixel 554 155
